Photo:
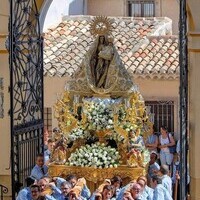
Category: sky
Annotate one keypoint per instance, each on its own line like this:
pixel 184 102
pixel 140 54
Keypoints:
pixel 57 9
pixel 60 8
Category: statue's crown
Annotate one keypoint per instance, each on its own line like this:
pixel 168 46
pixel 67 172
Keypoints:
pixel 101 25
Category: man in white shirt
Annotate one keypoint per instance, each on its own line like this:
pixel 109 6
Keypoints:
pixel 160 192
pixel 166 179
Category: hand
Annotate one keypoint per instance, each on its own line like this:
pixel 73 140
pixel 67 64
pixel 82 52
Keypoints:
pixel 177 175
pixel 162 146
pixel 127 195
pixel 47 162
pixel 52 184
pixel 155 171
pixel 82 180
pixel 54 179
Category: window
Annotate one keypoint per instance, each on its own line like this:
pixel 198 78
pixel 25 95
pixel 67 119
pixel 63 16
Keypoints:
pixel 141 8
pixel 48 120
pixel 163 114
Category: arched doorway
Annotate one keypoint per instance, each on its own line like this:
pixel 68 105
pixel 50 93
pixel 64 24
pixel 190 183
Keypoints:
pixel 27 75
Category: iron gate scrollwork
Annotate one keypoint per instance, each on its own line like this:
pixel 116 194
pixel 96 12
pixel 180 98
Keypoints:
pixel 3 190
pixel 26 89
pixel 183 60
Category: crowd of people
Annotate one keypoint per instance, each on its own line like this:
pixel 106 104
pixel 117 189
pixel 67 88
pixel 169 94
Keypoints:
pixel 160 182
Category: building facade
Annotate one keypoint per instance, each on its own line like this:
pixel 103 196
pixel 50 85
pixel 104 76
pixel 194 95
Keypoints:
pixel 118 10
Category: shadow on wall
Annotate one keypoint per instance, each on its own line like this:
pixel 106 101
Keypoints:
pixel 77 7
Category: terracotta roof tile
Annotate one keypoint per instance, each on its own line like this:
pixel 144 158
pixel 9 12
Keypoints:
pixel 142 50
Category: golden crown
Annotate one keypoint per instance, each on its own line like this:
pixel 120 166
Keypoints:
pixel 101 25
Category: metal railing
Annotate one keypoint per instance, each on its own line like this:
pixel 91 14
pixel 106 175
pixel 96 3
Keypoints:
pixel 3 190
pixel 163 114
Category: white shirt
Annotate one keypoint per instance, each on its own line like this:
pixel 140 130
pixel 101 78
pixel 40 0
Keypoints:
pixel 164 141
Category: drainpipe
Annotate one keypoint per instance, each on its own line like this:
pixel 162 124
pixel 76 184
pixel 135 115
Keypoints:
pixel 84 7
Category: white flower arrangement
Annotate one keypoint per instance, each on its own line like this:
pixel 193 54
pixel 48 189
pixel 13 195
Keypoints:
pixel 127 126
pixel 97 155
pixel 78 133
pixel 99 116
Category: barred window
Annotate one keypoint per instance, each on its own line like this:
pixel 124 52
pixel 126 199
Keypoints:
pixel 141 8
pixel 48 120
pixel 163 114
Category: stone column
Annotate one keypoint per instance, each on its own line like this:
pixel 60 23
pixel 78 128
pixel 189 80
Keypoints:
pixel 194 113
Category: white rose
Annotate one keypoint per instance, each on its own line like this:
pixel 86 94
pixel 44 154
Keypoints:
pixel 92 106
pixel 98 163
pixel 103 120
pixel 98 127
pixel 110 121
pixel 108 127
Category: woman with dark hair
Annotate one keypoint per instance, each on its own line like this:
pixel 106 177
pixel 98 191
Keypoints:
pixel 106 194
pixel 166 140
pixel 151 142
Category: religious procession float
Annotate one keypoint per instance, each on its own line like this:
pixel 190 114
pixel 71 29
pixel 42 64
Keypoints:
pixel 102 117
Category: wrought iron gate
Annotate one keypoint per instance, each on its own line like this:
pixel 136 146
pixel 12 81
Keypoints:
pixel 26 89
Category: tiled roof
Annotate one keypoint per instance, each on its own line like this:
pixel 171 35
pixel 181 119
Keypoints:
pixel 142 44
pixel 157 57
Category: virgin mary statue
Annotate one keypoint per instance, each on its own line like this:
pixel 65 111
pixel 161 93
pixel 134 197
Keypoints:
pixel 101 60
pixel 102 70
